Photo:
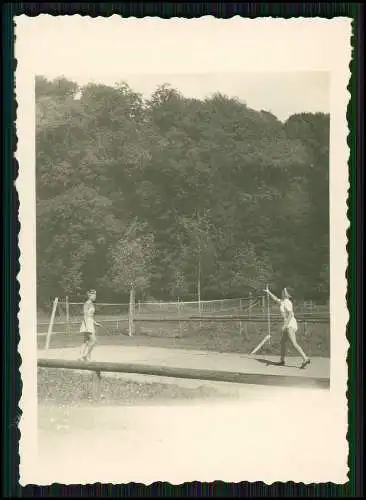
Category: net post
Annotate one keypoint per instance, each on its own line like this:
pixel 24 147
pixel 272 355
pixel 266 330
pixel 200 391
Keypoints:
pixel 243 331
pixel 268 316
pixel 50 325
pixel 67 315
pixel 131 326
pixel 180 323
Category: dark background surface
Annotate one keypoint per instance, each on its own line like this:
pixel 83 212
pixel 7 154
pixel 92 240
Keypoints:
pixel 11 379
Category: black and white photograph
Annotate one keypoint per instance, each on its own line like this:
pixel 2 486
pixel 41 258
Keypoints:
pixel 183 208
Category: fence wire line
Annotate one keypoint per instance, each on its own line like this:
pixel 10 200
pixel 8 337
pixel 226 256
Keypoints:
pixel 75 317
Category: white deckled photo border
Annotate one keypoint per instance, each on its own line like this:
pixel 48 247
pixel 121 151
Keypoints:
pixel 203 45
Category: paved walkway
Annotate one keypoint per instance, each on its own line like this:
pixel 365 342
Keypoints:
pixel 260 366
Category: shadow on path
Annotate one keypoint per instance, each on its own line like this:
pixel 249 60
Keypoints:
pixel 275 363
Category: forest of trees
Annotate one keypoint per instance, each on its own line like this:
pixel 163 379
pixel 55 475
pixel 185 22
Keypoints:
pixel 157 192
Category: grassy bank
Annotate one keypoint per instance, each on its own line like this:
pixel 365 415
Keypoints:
pixel 64 387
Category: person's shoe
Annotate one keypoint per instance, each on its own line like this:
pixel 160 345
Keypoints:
pixel 305 364
pixel 280 363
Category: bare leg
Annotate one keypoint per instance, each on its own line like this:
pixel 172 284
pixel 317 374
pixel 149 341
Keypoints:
pixel 292 337
pixel 283 345
pixel 84 350
pixel 91 344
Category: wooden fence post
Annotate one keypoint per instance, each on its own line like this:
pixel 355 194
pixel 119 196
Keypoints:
pixel 250 310
pixel 268 317
pixel 52 320
pixel 96 385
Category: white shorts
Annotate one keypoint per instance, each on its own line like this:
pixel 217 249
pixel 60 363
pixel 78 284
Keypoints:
pixel 291 324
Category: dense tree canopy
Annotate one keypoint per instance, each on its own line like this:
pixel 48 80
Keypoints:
pixel 156 192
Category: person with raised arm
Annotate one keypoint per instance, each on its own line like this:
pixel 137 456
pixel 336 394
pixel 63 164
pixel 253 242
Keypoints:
pixel 289 327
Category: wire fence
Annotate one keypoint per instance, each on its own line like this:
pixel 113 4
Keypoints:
pixel 69 315
pixel 227 325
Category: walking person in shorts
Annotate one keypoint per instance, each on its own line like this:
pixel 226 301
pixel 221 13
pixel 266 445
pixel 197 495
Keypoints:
pixel 88 326
pixel 289 327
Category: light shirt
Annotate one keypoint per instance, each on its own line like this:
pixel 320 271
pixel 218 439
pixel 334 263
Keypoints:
pixel 287 312
pixel 87 324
